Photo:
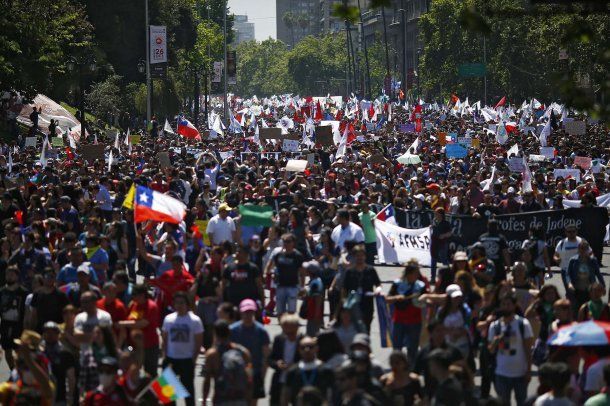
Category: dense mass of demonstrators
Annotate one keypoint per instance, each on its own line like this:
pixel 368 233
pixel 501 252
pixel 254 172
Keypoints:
pixel 98 303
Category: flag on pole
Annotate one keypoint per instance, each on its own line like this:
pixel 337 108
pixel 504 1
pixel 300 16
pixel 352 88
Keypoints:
pixel 94 138
pixel 527 177
pixel 128 202
pixel 10 161
pixel 501 134
pixel 127 137
pixel 110 161
pixel 546 131
pixel 187 130
pixel 168 128
pixel 501 103
pixel 43 153
pixel 385 322
pixel 156 206
pixel 116 140
pixel 167 387
pixel 254 215
pixel 387 214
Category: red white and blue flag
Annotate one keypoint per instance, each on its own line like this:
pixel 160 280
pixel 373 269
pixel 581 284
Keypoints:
pixel 187 130
pixel 156 206
pixel 387 215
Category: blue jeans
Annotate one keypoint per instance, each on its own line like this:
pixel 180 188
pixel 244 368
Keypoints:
pixel 504 385
pixel 286 299
pixel 407 335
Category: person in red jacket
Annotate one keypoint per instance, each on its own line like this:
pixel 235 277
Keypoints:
pixel 175 280
pixel 110 303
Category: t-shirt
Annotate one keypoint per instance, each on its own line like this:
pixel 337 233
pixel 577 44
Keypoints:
pixel 116 309
pixel 448 392
pixel 351 232
pixel 367 226
pixel 362 282
pixel 548 399
pixel 254 338
pixel 49 307
pixel 405 312
pixel 511 361
pixel 181 331
pixel 594 381
pixel 148 311
pixel 85 323
pixel 12 305
pixel 601 399
pixel 221 229
pixel 287 267
pixel 241 282
pixel 494 245
pixel 566 250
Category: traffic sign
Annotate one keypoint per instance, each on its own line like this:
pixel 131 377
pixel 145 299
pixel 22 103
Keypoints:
pixel 472 69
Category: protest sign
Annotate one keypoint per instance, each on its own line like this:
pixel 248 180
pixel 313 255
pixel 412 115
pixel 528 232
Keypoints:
pixel 536 158
pixel 290 145
pixel 202 226
pixel 134 139
pixel 476 143
pixel 164 161
pixel 92 152
pixel 270 133
pixel 57 142
pixel 564 173
pixel 311 159
pixel 455 151
pixel 453 137
pixel 397 245
pixel 30 141
pixel 583 161
pixel 442 138
pixel 548 152
pixel 296 165
pixel 576 127
pixel 465 141
pixel 515 164
pixel 324 135
pixel 226 154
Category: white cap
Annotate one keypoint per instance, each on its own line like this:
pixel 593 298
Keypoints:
pixel 454 290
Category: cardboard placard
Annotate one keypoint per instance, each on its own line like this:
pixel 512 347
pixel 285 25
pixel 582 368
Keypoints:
pixel 164 161
pixel 226 154
pixel 442 138
pixel 324 135
pixel 548 152
pixel 576 127
pixel 134 139
pixel 296 165
pixel 92 152
pixel 564 173
pixel 311 159
pixel 476 143
pixel 583 161
pixel 536 158
pixel 465 141
pixel 455 151
pixel 270 133
pixel 30 142
pixel 515 164
pixel 57 142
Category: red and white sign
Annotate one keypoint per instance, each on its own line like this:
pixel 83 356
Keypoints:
pixel 158 44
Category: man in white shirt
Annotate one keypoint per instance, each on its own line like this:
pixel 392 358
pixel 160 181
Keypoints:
pixel 511 339
pixel 89 318
pixel 211 170
pixel 346 230
pixel 221 227
pixel 182 334
pixel 566 249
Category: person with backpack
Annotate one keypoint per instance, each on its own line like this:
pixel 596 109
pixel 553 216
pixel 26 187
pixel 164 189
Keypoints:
pixel 229 366
pixel 510 340
pixel 182 335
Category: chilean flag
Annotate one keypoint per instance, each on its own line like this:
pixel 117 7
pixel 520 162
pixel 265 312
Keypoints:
pixel 156 206
pixel 187 130
pixel 387 215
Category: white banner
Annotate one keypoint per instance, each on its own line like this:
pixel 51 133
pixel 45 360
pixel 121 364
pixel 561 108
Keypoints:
pixel 397 245
pixel 602 201
pixel 158 44
pixel 216 77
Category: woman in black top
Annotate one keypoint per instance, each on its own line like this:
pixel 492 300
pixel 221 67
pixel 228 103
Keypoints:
pixel 401 386
pixel 362 279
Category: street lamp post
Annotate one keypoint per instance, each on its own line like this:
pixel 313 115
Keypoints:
pixel 148 79
pixel 195 71
pixel 81 65
pixel 418 84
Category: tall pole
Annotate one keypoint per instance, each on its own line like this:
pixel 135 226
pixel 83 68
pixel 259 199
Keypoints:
pixel 349 65
pixel 197 92
pixel 83 123
pixel 485 76
pixel 148 81
pixel 385 40
pixel 404 46
pixel 366 56
pixel 224 18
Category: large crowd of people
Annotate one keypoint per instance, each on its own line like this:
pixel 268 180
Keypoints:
pixel 94 305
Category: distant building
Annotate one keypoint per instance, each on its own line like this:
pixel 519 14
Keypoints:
pixel 296 19
pixel 244 30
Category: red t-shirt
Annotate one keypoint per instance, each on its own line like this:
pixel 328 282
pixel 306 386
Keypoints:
pixel 150 312
pixel 116 308
pixel 171 282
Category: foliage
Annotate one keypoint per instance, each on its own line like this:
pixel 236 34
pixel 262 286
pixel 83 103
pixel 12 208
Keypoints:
pixel 106 98
pixel 262 68
pixel 35 37
pixel 522 51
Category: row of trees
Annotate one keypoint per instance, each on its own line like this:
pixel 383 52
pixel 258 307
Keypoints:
pixel 522 46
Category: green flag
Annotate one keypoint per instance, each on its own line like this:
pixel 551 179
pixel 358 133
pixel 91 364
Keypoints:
pixel 252 215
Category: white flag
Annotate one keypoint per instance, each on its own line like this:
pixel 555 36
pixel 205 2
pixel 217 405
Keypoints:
pixel 10 161
pixel 501 134
pixel 116 140
pixel 95 139
pixel 127 138
pixel 527 177
pixel 514 150
pixel 110 161
pixel 546 131
pixel 43 154
pixel 168 128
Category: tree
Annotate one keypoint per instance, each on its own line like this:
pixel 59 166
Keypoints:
pixel 106 98
pixel 35 38
pixel 289 20
pixel 262 68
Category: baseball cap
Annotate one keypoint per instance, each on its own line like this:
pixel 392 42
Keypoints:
pixel 361 339
pixel 247 305
pixel 84 268
pixel 454 290
pixel 460 256
pixel 51 325
pixel 224 206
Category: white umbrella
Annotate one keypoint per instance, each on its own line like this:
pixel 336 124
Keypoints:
pixel 409 159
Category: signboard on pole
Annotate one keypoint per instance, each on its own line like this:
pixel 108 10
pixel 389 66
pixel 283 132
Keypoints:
pixel 217 76
pixel 472 70
pixel 232 67
pixel 158 44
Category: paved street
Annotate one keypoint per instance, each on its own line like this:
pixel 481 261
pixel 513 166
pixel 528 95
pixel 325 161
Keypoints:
pixel 387 274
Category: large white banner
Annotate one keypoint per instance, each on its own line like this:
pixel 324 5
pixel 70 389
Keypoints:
pixel 158 44
pixel 602 201
pixel 397 245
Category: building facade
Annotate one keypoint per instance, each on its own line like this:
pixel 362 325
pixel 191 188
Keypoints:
pixel 296 19
pixel 244 30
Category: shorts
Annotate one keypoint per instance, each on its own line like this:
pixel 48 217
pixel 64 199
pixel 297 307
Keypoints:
pixel 8 333
pixel 258 387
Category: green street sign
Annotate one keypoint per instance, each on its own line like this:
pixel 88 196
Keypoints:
pixel 472 70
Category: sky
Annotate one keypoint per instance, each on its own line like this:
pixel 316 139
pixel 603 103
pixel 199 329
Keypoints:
pixel 260 12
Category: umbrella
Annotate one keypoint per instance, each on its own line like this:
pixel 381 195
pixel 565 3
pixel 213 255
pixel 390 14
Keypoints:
pixel 409 159
pixel 586 333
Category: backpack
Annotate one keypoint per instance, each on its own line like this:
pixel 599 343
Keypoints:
pixel 498 331
pixel 232 381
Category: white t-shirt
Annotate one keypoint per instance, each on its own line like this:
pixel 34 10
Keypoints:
pixel 548 399
pixel 181 331
pixel 83 323
pixel 595 376
pixel 510 358
pixel 212 173
pixel 566 250
pixel 351 232
pixel 221 229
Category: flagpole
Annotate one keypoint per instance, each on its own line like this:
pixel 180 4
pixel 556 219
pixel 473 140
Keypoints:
pixel 146 389
pixel 485 75
pixel 224 18
pixel 148 87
